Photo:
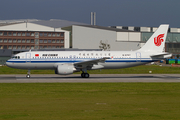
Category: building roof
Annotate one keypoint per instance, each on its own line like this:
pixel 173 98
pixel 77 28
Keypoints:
pixel 106 28
pixel 10 22
pixel 56 23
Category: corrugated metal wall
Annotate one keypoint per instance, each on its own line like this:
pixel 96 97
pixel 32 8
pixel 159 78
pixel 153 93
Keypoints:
pixel 89 38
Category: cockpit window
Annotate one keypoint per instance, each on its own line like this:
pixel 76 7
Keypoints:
pixel 16 57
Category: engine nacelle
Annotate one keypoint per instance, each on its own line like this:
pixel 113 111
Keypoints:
pixel 64 69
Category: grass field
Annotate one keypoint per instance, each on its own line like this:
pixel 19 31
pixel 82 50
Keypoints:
pixel 143 69
pixel 90 101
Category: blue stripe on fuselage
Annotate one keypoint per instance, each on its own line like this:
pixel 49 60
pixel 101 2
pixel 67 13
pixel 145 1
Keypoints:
pixel 74 61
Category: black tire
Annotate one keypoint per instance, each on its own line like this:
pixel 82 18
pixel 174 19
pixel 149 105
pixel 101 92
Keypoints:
pixel 28 76
pixel 82 75
pixel 86 75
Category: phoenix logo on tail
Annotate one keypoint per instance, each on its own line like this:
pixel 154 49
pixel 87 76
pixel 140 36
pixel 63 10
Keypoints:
pixel 158 40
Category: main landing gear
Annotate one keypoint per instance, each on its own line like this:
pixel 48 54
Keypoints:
pixel 28 74
pixel 84 75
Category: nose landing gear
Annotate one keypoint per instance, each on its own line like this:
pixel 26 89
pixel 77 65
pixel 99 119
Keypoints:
pixel 28 74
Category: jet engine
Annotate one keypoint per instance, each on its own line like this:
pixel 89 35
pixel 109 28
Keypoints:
pixel 64 69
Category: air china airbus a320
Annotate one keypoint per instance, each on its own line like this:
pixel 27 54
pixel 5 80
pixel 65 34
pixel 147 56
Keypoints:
pixel 67 62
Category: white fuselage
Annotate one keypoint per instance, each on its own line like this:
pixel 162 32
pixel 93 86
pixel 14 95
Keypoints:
pixel 50 59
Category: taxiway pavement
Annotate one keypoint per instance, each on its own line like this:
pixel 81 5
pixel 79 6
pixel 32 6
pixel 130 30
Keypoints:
pixel 94 78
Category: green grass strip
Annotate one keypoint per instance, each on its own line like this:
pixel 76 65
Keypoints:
pixel 90 101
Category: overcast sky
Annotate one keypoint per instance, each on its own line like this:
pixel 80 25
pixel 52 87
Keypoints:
pixel 108 12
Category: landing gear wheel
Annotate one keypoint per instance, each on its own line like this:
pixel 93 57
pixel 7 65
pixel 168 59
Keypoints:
pixel 28 76
pixel 84 75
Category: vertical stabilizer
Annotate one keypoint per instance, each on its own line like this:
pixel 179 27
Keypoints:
pixel 156 42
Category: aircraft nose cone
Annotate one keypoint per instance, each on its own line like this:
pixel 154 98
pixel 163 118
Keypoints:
pixel 11 64
pixel 7 63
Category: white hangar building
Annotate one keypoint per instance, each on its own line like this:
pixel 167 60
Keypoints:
pixel 92 37
pixel 119 37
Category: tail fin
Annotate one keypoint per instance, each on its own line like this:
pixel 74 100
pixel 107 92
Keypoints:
pixel 156 42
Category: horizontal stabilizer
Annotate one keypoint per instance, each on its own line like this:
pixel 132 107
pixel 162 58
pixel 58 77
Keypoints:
pixel 161 55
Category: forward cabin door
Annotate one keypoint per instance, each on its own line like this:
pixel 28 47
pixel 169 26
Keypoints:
pixel 28 57
pixel 138 57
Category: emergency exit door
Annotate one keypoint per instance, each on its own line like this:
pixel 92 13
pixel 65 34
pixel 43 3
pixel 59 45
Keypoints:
pixel 28 57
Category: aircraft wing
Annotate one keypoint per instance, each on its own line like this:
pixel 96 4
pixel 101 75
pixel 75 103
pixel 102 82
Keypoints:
pixel 90 63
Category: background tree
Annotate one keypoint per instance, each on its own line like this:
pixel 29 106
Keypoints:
pixel 104 46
